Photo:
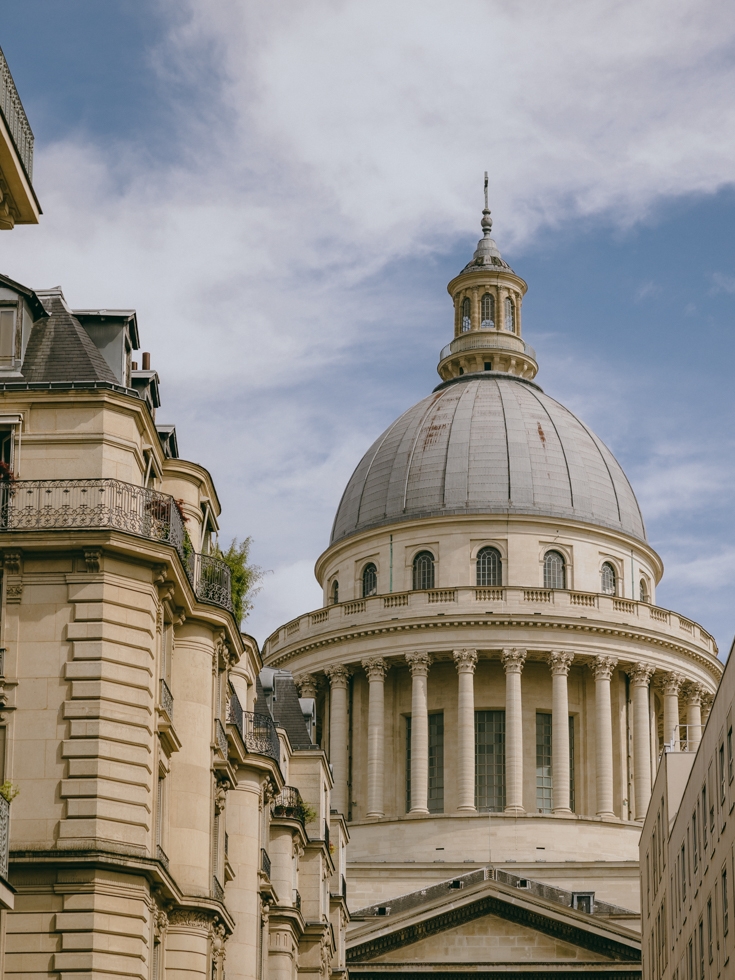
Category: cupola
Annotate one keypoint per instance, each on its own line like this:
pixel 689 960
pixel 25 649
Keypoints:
pixel 487 297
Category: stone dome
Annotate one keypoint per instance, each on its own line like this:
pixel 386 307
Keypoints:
pixel 488 443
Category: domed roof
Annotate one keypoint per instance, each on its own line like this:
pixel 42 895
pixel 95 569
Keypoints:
pixel 488 443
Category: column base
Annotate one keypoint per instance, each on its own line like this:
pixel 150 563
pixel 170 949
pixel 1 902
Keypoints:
pixel 564 810
pixel 608 814
pixel 518 810
pixel 467 809
pixel 375 816
pixel 420 810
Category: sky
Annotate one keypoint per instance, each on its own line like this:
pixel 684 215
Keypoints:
pixel 283 191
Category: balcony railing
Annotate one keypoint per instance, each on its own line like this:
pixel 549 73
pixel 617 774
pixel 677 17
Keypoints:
pixel 220 737
pixel 265 862
pixel 326 834
pixel 15 118
pixel 39 505
pixel 296 898
pixel 258 733
pixel 288 803
pixel 4 836
pixel 218 892
pixel 167 700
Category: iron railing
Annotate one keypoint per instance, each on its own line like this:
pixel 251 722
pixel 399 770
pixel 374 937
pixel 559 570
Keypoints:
pixel 218 892
pixel 167 700
pixel 288 803
pixel 265 862
pixel 258 733
pixel 326 834
pixel 29 505
pixel 4 836
pixel 220 737
pixel 296 898
pixel 15 118
pixel 684 738
pixel 162 856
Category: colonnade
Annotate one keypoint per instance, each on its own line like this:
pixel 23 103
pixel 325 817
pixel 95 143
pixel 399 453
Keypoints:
pixel 671 686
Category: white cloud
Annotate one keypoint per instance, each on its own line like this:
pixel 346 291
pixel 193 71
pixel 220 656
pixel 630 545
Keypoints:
pixel 331 138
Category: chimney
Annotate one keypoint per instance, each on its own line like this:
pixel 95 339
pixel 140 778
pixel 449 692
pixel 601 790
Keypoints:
pixel 146 361
pixel 134 366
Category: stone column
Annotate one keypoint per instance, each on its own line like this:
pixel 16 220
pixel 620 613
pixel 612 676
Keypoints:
pixel 640 678
pixel 560 663
pixel 693 696
pixel 375 668
pixel 670 686
pixel 513 661
pixel 419 664
pixel 466 661
pixel 603 668
pixel 339 752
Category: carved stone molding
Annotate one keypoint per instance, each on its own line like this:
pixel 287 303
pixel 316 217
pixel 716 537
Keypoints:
pixel 603 667
pixel 338 675
pixel 465 661
pixel 166 590
pixel 559 662
pixel 671 683
pixel 93 559
pixel 641 674
pixel 376 668
pixel 14 591
pixel 220 796
pixel 418 664
pixel 306 683
pixel 160 924
pixel 192 918
pixel 218 938
pixel 179 616
pixel 159 574
pixel 694 693
pixel 12 562
pixel 513 660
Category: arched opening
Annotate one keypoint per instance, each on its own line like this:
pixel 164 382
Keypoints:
pixel 466 321
pixel 554 571
pixel 369 580
pixel 510 315
pixel 644 595
pixel 488 312
pixel 335 592
pixel 489 567
pixel 423 570
pixel 608 579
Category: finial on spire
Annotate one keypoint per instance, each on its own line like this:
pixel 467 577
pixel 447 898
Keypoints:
pixel 487 221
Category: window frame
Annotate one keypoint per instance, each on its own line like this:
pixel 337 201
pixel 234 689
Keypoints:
pixel 465 315
pixel 564 570
pixel 423 553
pixel 490 320
pixel 488 549
pixel 369 567
pixel 608 567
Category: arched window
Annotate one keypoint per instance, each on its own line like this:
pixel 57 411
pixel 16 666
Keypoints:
pixel 423 570
pixel 489 567
pixel 554 571
pixel 510 315
pixel 608 579
pixel 335 591
pixel 466 321
pixel 488 312
pixel 644 591
pixel 369 580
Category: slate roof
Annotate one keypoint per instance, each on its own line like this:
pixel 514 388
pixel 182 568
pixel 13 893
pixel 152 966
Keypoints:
pixel 287 711
pixel 488 443
pixel 60 349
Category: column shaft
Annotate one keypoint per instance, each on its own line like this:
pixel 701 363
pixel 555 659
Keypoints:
pixel 694 717
pixel 603 668
pixel 513 661
pixel 375 669
pixel 670 689
pixel 640 677
pixel 560 779
pixel 466 661
pixel 339 750
pixel 419 666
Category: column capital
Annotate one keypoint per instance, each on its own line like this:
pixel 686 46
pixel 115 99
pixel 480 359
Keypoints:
pixel 707 700
pixel 694 693
pixel 306 683
pixel 641 674
pixel 465 661
pixel 603 667
pixel 375 667
pixel 338 675
pixel 513 660
pixel 671 683
pixel 559 662
pixel 418 664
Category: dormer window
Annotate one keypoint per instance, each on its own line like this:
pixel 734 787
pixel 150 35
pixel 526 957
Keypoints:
pixel 466 321
pixel 510 315
pixel 7 336
pixel 488 312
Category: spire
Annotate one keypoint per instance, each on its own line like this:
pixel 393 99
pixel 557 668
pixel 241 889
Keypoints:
pixel 487 252
pixel 487 221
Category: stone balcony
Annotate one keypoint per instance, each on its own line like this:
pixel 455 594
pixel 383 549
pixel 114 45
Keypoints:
pixel 505 606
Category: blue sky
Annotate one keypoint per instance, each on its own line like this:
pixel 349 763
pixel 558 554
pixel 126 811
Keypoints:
pixel 283 192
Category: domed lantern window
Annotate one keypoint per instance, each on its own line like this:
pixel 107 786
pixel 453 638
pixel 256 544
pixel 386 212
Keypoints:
pixel 554 571
pixel 489 567
pixel 335 592
pixel 488 312
pixel 510 315
pixel 423 570
pixel 369 580
pixel 466 321
pixel 608 579
pixel 644 591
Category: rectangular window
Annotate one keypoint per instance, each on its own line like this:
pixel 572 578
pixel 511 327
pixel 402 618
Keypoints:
pixel 721 756
pixel 7 334
pixel 704 817
pixel 695 840
pixel 572 793
pixel 654 862
pixel 701 949
pixel 729 754
pixel 690 961
pixel 436 763
pixel 543 763
pixel 709 930
pixel 725 904
pixel 683 874
pixel 490 761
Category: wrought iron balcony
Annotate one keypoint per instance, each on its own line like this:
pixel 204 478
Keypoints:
pixel 265 862
pixel 326 834
pixel 167 700
pixel 288 803
pixel 15 118
pixel 88 504
pixel 221 737
pixel 258 732
pixel 218 892
pixel 4 836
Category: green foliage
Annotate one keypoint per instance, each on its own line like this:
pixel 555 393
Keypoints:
pixel 245 577
pixel 9 791
pixel 306 813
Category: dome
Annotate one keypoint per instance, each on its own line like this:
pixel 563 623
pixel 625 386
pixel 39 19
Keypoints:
pixel 488 443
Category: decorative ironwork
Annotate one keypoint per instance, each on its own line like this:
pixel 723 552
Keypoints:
pixel 265 862
pixel 234 713
pixel 15 118
pixel 211 579
pixel 162 856
pixel 167 700
pixel 326 834
pixel 259 734
pixel 220 737
pixel 4 836
pixel 218 892
pixel 288 803
pixel 297 899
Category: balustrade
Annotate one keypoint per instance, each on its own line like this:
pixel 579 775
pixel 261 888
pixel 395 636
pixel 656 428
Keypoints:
pixel 15 118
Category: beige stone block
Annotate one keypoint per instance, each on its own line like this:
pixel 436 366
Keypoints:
pixel 112 731
pixel 105 749
pixel 123 674
pixel 114 711
pixel 107 789
pixel 123 772
pixel 115 832
pixel 112 810
pixel 103 650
